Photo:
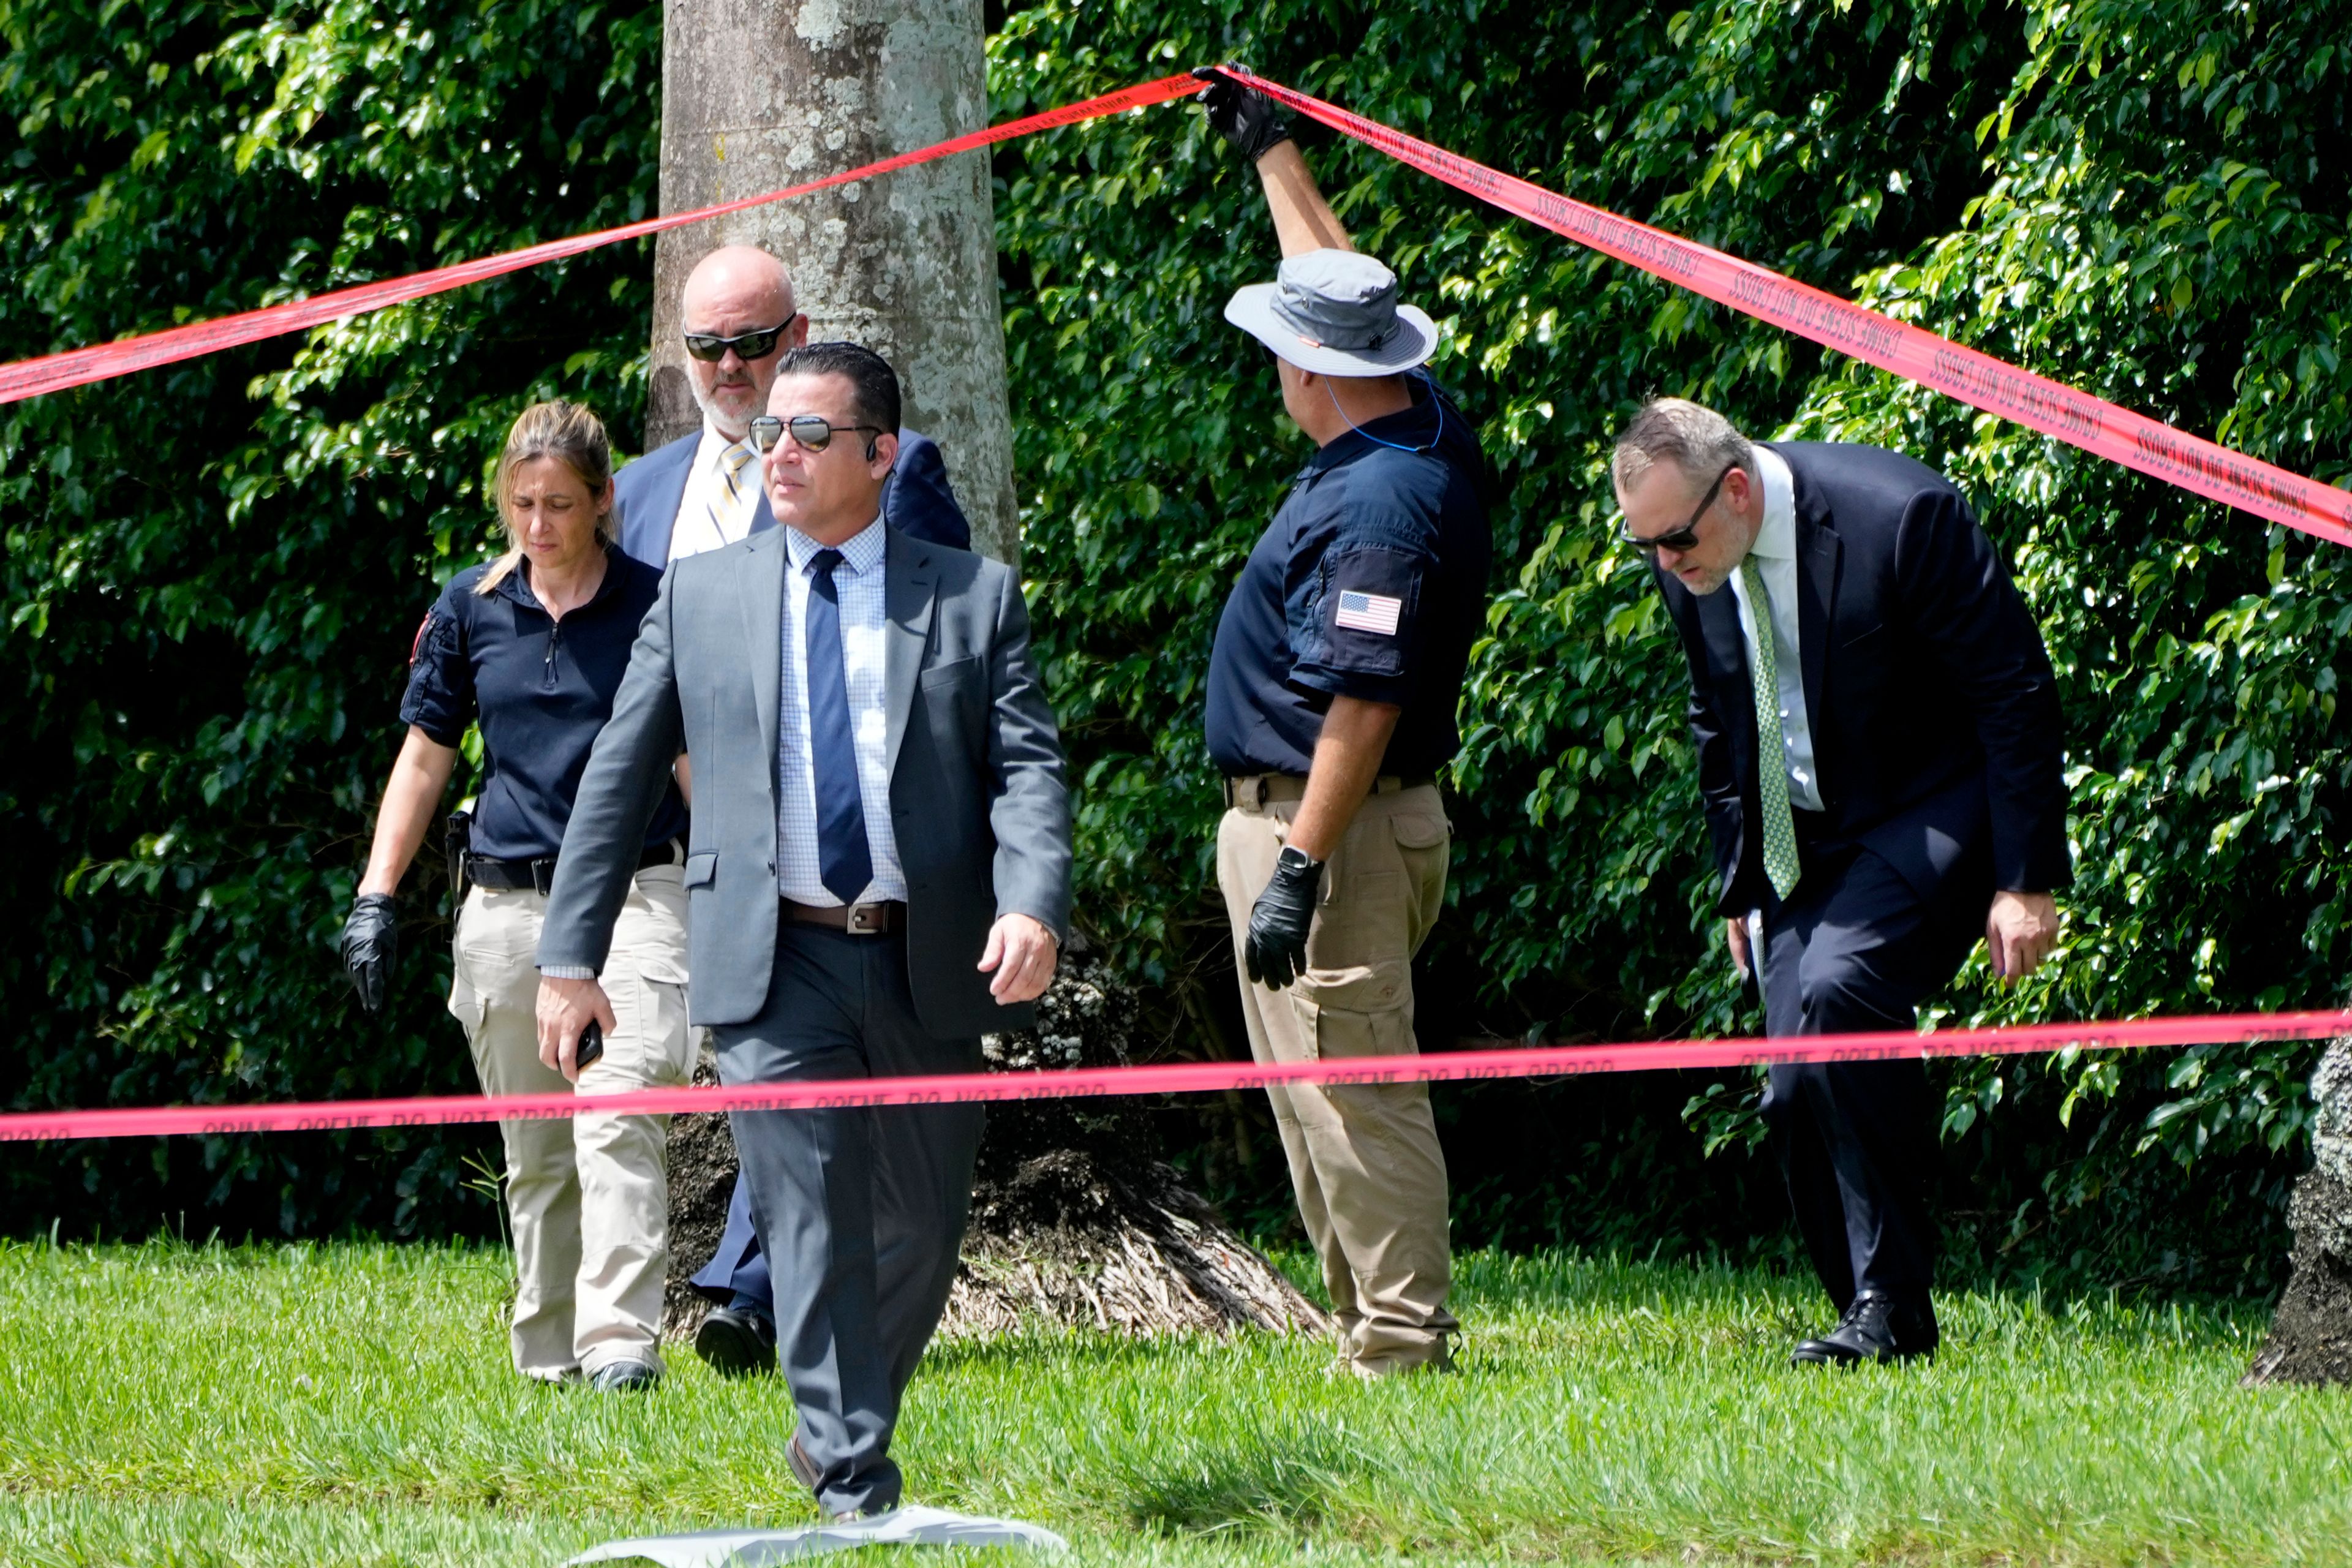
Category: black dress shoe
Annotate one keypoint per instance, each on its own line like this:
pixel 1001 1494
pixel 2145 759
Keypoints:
pixel 737 1344
pixel 1876 1328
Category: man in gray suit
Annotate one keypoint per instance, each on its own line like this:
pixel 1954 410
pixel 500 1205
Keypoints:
pixel 879 872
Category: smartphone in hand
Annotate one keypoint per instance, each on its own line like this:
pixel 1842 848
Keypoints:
pixel 592 1044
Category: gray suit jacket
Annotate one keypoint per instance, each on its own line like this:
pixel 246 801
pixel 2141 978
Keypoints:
pixel 977 800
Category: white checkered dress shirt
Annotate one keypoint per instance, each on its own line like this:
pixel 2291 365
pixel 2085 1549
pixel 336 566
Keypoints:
pixel 858 582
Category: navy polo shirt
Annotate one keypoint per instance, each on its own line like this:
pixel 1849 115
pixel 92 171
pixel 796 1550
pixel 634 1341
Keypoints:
pixel 1370 583
pixel 542 689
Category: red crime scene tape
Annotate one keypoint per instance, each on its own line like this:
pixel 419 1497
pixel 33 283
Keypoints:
pixel 1979 379
pixel 78 367
pixel 2098 427
pixel 1184 1078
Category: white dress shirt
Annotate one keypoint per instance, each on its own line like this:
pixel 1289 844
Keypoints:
pixel 1775 551
pixel 858 582
pixel 706 517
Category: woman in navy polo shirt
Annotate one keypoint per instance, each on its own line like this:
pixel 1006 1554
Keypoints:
pixel 532 646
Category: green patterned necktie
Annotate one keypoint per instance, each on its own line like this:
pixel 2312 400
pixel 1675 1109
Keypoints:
pixel 1771 769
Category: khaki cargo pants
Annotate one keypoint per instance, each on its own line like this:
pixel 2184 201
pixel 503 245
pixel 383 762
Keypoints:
pixel 588 1195
pixel 1364 1158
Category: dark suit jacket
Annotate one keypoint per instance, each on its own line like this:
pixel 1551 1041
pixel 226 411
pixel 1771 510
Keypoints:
pixel 1937 732
pixel 977 800
pixel 646 493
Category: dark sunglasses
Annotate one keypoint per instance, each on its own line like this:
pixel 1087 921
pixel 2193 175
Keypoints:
pixel 1683 537
pixel 810 432
pixel 746 346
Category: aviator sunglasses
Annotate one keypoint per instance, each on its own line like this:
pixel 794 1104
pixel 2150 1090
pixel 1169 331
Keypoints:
pixel 746 346
pixel 811 432
pixel 1683 537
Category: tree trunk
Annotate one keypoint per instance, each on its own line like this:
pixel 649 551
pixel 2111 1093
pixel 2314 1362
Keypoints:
pixel 761 94
pixel 2311 1336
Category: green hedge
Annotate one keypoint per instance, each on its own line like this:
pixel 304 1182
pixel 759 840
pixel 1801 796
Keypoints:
pixel 213 569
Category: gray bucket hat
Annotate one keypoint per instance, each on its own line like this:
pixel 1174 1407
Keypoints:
pixel 1334 312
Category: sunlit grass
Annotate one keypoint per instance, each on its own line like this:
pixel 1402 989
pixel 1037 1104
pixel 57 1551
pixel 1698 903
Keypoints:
pixel 352 1405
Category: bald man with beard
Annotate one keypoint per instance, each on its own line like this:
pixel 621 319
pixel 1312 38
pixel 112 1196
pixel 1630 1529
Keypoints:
pixel 703 491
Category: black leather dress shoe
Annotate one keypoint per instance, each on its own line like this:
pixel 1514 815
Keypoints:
pixel 1876 1328
pixel 736 1345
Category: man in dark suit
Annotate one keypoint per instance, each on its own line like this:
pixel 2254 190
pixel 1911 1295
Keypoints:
pixel 1873 653
pixel 879 872
pixel 703 490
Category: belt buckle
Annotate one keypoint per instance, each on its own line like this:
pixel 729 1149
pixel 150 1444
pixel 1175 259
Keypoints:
pixel 870 919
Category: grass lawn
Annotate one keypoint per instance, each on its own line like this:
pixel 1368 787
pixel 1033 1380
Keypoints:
pixel 353 1405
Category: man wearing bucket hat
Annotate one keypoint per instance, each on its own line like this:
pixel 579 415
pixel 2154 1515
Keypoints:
pixel 1332 688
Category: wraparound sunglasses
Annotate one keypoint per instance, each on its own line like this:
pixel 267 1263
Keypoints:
pixel 746 346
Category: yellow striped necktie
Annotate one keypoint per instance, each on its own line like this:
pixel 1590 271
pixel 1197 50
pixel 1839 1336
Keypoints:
pixel 1772 741
pixel 732 464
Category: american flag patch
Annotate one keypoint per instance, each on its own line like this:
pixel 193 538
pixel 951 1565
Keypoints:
pixel 1375 612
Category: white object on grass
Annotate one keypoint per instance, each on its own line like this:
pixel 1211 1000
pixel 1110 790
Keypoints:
pixel 911 1526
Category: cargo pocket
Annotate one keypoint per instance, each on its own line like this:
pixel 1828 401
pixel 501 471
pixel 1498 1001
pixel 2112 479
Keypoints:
pixel 1361 1012
pixel 1340 1034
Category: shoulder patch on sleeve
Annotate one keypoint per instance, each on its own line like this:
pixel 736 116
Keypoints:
pixel 1374 613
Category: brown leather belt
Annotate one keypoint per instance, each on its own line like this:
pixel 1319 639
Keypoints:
pixel 879 918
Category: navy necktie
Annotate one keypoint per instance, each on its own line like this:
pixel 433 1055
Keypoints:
pixel 842 860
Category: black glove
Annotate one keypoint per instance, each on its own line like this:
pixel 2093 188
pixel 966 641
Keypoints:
pixel 371 947
pixel 1275 950
pixel 1242 115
